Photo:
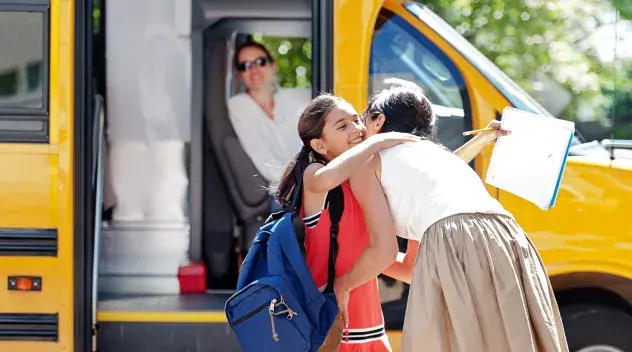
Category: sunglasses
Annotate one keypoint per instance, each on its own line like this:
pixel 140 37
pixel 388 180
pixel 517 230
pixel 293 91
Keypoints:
pixel 247 65
pixel 365 116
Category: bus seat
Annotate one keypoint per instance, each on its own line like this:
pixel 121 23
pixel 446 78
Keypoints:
pixel 218 225
pixel 247 189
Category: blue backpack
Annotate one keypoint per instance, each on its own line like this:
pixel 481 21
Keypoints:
pixel 277 306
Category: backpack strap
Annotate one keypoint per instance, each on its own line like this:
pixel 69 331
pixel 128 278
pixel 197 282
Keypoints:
pixel 295 207
pixel 336 206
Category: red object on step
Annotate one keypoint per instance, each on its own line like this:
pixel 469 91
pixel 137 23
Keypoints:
pixel 192 278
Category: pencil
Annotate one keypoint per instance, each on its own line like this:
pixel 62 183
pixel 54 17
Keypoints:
pixel 469 133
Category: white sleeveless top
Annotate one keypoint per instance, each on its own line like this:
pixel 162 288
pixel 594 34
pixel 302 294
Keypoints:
pixel 424 183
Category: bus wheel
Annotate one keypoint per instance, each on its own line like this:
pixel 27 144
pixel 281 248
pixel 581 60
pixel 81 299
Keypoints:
pixel 594 328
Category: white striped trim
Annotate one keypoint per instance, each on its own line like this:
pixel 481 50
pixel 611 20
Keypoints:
pixel 357 342
pixel 363 330
pixel 365 335
pixel 312 220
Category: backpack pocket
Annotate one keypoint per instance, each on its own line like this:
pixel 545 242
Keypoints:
pixel 266 316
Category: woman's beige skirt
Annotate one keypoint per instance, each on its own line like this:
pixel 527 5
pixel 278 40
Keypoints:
pixel 479 285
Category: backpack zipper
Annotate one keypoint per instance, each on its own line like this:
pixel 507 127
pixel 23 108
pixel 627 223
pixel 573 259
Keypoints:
pixel 275 336
pixel 288 310
pixel 271 305
pixel 250 314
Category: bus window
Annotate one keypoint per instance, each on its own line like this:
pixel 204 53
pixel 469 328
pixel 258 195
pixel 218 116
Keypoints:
pixel 398 51
pixel 23 73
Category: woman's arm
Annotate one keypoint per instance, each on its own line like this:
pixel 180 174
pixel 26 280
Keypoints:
pixel 382 249
pixel 474 146
pixel 340 169
pixel 402 269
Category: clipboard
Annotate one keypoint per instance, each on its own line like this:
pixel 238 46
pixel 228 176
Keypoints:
pixel 530 162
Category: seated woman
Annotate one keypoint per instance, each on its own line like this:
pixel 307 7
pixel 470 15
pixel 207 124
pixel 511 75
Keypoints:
pixel 264 117
pixel 478 282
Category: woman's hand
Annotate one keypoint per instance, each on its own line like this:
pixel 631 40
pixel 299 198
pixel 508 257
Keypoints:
pixel 474 146
pixel 489 137
pixel 342 296
pixel 389 139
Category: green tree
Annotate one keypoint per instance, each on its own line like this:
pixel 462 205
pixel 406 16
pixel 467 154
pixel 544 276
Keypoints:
pixel 529 37
pixel 293 57
pixel 624 7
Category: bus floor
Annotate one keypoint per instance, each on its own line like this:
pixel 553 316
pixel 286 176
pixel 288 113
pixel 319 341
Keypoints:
pixel 139 323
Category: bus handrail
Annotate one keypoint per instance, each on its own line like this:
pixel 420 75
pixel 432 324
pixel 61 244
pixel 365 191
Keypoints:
pixel 96 132
pixel 617 143
pixel 97 182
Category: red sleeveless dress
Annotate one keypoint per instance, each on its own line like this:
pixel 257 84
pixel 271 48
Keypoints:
pixel 366 331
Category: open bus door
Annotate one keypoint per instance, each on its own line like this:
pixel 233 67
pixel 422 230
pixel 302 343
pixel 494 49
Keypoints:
pixel 197 321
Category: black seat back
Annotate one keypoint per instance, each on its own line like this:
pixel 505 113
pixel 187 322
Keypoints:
pixel 247 189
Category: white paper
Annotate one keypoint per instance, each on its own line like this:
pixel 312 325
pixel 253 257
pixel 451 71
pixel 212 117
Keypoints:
pixel 528 162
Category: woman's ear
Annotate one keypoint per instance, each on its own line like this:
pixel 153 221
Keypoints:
pixel 318 145
pixel 379 122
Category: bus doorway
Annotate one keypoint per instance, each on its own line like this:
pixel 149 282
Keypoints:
pixel 226 201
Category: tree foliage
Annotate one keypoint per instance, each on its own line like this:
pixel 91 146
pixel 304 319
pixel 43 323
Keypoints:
pixel 293 57
pixel 527 38
pixel 624 7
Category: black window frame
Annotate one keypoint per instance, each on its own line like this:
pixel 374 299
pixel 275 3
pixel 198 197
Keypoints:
pixel 24 114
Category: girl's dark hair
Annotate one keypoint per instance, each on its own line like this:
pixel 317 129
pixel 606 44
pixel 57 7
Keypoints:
pixel 310 126
pixel 406 109
pixel 251 45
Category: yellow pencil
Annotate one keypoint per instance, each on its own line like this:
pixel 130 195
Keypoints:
pixel 469 133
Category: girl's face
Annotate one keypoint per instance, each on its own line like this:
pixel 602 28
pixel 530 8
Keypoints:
pixel 343 129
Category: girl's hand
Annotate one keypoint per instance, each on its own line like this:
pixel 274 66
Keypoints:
pixel 342 296
pixel 489 137
pixel 389 139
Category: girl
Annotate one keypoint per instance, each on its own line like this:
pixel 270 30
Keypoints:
pixel 332 136
pixel 478 283
pixel 329 127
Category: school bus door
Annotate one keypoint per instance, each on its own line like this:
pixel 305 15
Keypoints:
pixel 44 267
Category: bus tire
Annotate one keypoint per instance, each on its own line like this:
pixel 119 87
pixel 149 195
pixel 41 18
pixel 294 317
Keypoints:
pixel 596 328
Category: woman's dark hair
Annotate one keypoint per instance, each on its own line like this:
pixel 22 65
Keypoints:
pixel 310 126
pixel 406 109
pixel 251 45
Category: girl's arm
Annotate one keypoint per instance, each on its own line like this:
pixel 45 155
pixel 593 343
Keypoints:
pixel 474 146
pixel 382 249
pixel 340 169
pixel 402 268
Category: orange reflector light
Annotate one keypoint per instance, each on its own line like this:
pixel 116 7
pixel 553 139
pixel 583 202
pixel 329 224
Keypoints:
pixel 25 283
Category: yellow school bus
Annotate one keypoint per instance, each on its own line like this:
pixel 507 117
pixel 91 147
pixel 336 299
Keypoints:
pixel 44 188
pixel 56 85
